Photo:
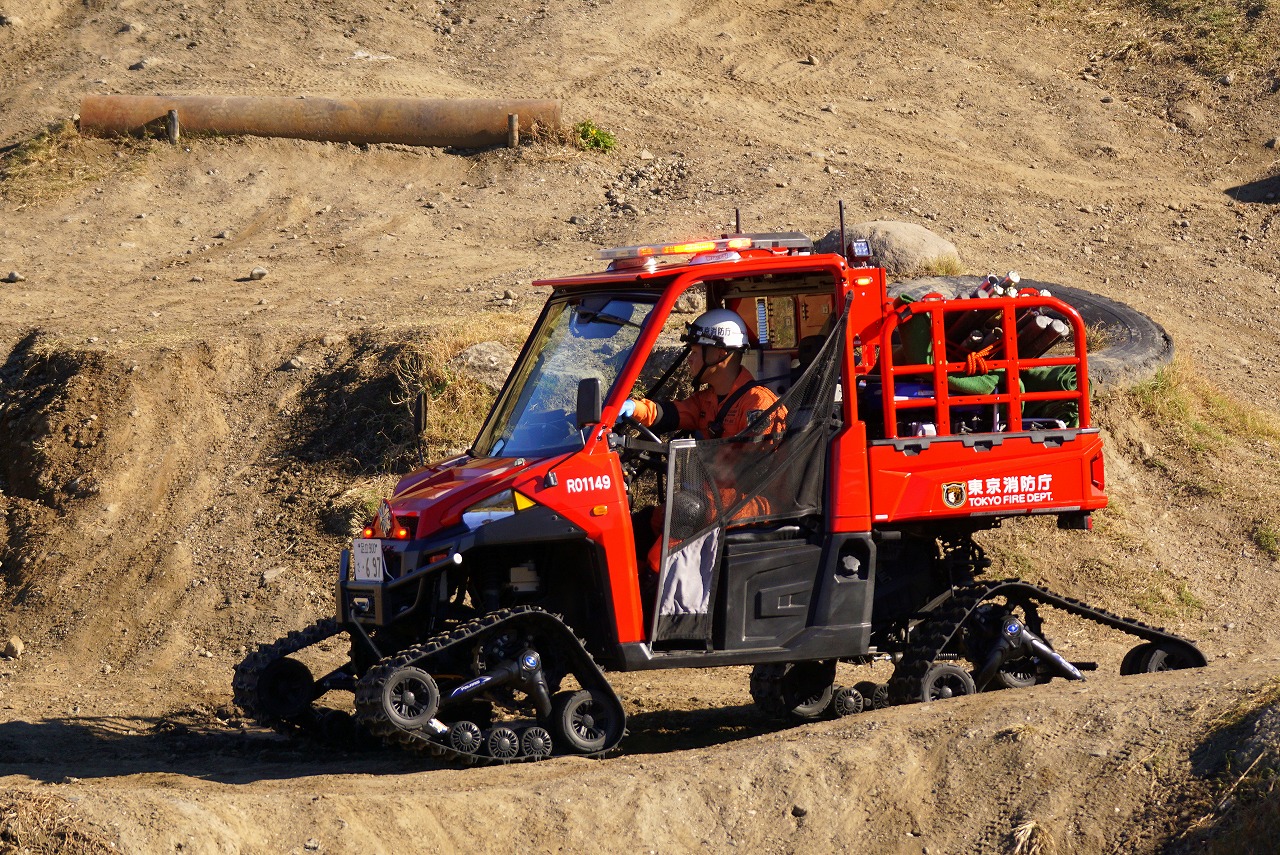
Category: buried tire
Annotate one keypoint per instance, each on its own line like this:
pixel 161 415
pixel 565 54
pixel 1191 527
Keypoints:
pixel 1137 345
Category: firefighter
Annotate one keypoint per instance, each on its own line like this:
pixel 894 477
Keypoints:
pixel 729 402
pixel 731 399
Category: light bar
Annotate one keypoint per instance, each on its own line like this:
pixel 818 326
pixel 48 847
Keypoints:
pixel 684 248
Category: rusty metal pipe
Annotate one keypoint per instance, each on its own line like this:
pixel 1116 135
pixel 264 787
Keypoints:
pixel 463 122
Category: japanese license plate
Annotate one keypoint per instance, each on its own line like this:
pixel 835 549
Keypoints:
pixel 367 564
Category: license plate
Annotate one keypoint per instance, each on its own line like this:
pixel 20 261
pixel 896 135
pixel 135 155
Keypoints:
pixel 367 564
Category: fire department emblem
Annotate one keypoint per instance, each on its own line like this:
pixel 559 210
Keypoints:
pixel 954 494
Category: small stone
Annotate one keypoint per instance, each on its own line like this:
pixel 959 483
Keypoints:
pixel 258 273
pixel 510 295
pixel 197 278
pixel 1227 79
pixel 14 647
pixel 828 108
pixel 225 234
pixel 1274 142
pixel 294 364
pixel 269 576
pixel 106 669
pixel 10 21
pixel 810 60
pixel 798 811
pixel 140 65
pixel 645 154
pixel 1107 99
pixel 312 844
pixel 576 220
pixel 15 276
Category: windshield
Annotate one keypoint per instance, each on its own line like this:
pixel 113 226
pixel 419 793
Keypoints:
pixel 583 336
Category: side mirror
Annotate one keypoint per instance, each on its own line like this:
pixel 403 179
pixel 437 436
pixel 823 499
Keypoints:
pixel 420 413
pixel 589 401
pixel 420 423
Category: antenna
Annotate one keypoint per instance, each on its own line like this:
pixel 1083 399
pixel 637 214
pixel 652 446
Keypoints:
pixel 844 250
pixel 737 221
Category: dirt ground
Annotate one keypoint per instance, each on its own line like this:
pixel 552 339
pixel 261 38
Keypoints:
pixel 182 444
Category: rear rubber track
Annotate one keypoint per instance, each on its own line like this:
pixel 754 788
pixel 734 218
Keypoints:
pixel 932 635
pixel 245 683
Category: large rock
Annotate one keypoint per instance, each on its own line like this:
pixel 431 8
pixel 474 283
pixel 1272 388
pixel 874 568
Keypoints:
pixel 488 362
pixel 902 249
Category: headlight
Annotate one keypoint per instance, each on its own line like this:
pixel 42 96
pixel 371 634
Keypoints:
pixel 496 507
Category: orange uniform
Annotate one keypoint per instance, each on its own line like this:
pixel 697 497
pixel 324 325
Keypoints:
pixel 698 411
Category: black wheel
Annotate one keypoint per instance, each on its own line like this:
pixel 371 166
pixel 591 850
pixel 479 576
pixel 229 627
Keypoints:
pixel 1017 674
pixel 583 722
pixel 410 698
pixel 1149 657
pixel 465 736
pixel 286 689
pixel 945 680
pixel 535 742
pixel 847 701
pixel 875 695
pixel 794 689
pixel 503 743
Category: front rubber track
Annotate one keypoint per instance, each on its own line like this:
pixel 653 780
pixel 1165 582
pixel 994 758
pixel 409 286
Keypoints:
pixel 441 655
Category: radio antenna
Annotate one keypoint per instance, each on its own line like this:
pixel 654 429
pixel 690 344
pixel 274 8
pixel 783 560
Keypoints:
pixel 844 249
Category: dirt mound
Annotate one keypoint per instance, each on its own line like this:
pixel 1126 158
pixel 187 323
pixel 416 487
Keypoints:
pixel 184 448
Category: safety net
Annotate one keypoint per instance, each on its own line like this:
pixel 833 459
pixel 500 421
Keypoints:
pixel 770 474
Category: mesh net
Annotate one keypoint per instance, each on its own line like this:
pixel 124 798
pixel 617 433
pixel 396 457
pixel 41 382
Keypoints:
pixel 772 471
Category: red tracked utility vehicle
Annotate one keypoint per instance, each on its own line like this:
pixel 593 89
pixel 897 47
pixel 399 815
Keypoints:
pixel 493 591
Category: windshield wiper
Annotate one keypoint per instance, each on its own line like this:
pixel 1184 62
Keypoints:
pixel 591 317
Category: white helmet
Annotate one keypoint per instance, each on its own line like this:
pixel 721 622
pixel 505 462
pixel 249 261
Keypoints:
pixel 719 328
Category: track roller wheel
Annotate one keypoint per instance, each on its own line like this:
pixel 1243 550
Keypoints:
pixel 582 721
pixel 847 701
pixel 799 690
pixel 945 680
pixel 875 695
pixel 503 743
pixel 286 689
pixel 465 737
pixel 1017 674
pixel 410 698
pixel 536 742
pixel 1149 657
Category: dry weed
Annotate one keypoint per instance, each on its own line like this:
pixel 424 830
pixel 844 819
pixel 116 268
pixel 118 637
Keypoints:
pixel 58 160
pixel 1032 838
pixel 37 824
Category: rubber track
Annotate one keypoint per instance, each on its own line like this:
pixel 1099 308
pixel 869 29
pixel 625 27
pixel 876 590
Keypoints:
pixel 932 635
pixel 245 682
pixel 370 714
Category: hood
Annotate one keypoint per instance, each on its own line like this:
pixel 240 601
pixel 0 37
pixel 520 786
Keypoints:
pixel 438 495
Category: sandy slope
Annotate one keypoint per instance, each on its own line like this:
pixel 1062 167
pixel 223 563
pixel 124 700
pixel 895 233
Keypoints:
pixel 159 461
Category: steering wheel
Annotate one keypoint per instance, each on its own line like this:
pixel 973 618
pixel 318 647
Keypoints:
pixel 631 421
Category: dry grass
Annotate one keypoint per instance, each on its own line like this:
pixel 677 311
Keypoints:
pixel 456 404
pixel 942 265
pixel 36 824
pixel 1031 838
pixel 1211 37
pixel 1244 814
pixel 58 160
pixel 1205 417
